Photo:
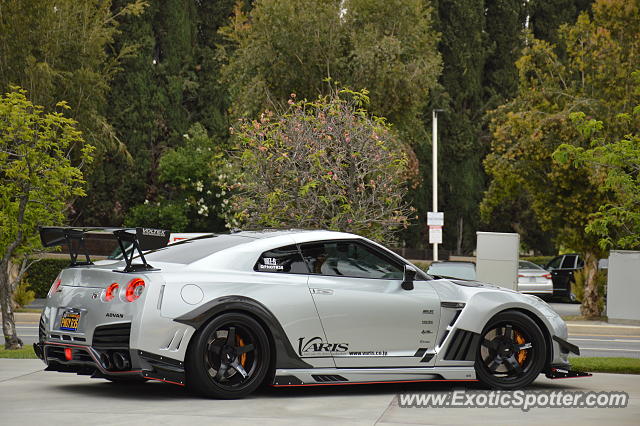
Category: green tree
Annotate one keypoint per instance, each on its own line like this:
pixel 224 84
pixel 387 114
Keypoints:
pixel 462 46
pixel 168 85
pixel 191 198
pixel 57 49
pixel 37 181
pixel 546 16
pixel 322 164
pixel 592 73
pixel 283 47
pixel 65 49
pixel 614 168
pixel 504 23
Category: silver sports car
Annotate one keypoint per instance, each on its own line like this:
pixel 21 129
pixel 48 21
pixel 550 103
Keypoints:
pixel 223 314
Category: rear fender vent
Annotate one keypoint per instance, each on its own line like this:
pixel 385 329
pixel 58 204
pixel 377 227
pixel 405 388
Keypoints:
pixel 323 378
pixel 112 336
pixel 463 346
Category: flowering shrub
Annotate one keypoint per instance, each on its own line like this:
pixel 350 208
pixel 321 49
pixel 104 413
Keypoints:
pixel 322 164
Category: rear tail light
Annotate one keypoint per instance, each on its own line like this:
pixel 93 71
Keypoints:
pixel 520 276
pixel 55 286
pixel 547 276
pixel 134 289
pixel 111 292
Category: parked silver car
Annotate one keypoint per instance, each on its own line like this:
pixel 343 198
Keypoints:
pixel 534 279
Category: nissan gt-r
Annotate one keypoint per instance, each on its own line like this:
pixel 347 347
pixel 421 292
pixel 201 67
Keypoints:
pixel 224 313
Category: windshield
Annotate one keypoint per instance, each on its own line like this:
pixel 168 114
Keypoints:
pixel 462 270
pixel 189 251
pixel 525 264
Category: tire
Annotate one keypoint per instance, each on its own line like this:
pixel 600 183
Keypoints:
pixel 511 353
pixel 229 357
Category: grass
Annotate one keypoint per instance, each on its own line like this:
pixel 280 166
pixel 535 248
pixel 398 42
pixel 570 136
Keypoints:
pixel 24 353
pixel 606 365
pixel 29 310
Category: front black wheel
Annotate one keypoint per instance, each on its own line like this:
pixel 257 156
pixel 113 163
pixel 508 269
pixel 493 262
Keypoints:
pixel 229 358
pixel 511 353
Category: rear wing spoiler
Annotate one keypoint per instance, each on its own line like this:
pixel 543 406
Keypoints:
pixel 142 239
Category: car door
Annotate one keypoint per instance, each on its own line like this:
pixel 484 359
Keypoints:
pixel 556 276
pixel 565 274
pixel 283 277
pixel 368 319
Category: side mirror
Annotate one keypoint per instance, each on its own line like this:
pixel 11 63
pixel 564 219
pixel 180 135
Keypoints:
pixel 409 276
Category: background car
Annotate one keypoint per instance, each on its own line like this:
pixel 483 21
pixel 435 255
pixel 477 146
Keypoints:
pixel 453 269
pixel 562 270
pixel 534 279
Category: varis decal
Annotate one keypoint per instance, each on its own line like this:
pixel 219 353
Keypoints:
pixel 316 345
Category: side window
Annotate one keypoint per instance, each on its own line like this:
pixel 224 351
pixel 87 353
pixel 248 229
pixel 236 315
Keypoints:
pixel 555 263
pixel 349 259
pixel 580 263
pixel 284 260
pixel 569 262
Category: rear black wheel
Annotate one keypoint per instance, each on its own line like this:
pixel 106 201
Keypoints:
pixel 511 353
pixel 229 357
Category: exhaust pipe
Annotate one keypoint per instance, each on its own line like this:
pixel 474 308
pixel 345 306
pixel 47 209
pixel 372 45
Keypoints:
pixel 121 361
pixel 38 351
pixel 106 361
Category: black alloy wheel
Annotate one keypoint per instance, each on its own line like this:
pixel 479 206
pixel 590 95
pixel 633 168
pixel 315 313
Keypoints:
pixel 230 357
pixel 511 353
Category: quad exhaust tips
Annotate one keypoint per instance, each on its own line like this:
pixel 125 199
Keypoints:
pixel 115 361
pixel 120 361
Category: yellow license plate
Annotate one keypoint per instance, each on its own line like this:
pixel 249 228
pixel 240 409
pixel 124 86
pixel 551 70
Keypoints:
pixel 70 320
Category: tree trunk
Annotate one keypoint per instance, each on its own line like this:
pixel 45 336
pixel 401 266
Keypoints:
pixel 460 236
pixel 11 339
pixel 590 308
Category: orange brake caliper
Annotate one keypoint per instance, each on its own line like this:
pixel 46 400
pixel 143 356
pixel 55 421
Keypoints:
pixel 521 355
pixel 243 357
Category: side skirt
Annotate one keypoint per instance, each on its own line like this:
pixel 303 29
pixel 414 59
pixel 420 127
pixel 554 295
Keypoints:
pixel 346 376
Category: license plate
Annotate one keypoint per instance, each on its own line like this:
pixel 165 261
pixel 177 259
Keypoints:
pixel 70 320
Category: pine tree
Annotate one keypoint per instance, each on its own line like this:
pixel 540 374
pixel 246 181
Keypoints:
pixel 462 46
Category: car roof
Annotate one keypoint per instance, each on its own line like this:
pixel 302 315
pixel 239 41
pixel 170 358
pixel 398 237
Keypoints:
pixel 246 253
pixel 302 234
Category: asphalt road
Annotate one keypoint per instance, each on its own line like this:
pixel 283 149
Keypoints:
pixel 606 345
pixel 28 394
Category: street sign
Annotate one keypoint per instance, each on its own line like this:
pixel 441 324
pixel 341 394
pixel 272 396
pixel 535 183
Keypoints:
pixel 435 234
pixel 435 219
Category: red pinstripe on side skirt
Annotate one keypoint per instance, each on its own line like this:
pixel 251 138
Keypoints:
pixel 374 383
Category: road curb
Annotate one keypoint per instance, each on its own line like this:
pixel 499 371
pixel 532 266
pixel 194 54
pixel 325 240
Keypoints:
pixel 584 327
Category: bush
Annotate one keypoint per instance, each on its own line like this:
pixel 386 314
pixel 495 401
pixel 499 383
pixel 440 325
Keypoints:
pixel 23 295
pixel 326 164
pixel 41 274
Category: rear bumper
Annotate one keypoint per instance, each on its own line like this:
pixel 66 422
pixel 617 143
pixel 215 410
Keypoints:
pixel 109 363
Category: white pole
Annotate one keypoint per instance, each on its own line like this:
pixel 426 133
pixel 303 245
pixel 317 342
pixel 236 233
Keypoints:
pixel 434 147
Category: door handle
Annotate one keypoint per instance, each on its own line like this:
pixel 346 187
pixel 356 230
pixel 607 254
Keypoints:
pixel 325 291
